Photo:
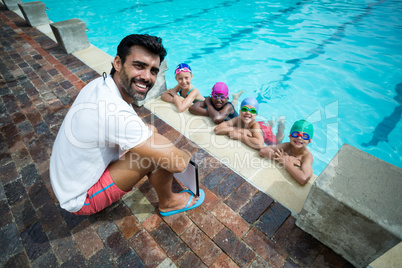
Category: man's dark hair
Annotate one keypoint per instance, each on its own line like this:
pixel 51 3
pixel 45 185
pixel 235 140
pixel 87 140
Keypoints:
pixel 151 43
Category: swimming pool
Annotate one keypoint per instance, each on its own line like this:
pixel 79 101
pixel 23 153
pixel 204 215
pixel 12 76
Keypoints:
pixel 336 63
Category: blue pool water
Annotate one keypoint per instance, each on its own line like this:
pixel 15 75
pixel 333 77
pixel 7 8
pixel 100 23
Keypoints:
pixel 335 63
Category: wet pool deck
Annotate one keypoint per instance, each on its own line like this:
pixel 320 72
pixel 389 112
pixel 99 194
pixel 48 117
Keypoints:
pixel 238 225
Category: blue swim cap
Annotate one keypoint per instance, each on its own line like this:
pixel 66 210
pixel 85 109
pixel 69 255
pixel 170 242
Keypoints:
pixel 182 67
pixel 251 102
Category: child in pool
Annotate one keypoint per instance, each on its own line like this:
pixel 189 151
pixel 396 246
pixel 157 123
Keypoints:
pixel 218 106
pixel 245 128
pixel 184 94
pixel 294 155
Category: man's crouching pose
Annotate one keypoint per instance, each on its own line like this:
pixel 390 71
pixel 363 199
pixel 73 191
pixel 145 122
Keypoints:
pixel 103 148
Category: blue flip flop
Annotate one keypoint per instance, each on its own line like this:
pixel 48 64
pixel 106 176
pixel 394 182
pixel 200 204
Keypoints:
pixel 199 202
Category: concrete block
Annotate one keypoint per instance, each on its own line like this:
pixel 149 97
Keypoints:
pixel 70 35
pixel 158 88
pixel 34 13
pixel 12 4
pixel 354 206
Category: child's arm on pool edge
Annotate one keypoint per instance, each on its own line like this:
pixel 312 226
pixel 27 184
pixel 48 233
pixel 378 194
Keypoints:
pixel 217 116
pixel 183 104
pixel 301 175
pixel 269 151
pixel 251 137
pixel 169 94
pixel 198 108
pixel 225 127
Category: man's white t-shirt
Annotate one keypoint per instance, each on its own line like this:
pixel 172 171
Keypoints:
pixel 97 129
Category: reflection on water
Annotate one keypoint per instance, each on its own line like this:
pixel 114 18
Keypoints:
pixel 388 124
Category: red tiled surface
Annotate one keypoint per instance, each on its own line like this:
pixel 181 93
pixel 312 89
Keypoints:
pixel 237 226
pixel 231 219
pixel 224 261
pixel 201 245
pixel 206 221
pixel 86 239
pixel 147 248
pixel 235 247
pixel 267 249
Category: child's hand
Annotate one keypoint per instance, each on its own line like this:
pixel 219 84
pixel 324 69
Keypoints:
pixel 281 157
pixel 234 135
pixel 208 101
pixel 245 132
pixel 295 161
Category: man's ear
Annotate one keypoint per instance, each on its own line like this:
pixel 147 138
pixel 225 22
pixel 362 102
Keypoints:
pixel 117 64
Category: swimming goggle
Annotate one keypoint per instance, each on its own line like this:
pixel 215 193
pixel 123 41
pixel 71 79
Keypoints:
pixel 185 69
pixel 245 109
pixel 219 97
pixel 296 134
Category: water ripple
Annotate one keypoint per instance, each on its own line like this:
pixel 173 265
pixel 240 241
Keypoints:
pixel 188 16
pixel 141 5
pixel 226 41
pixel 335 37
pixel 314 53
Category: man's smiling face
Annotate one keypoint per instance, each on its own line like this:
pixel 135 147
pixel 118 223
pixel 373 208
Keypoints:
pixel 138 73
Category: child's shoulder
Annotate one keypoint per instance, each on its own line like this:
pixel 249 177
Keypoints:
pixel 307 156
pixel 307 153
pixel 284 145
pixel 255 125
pixel 175 88
pixel 230 104
pixel 195 89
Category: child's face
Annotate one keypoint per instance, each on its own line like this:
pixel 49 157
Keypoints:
pixel 247 117
pixel 218 100
pixel 299 142
pixel 184 80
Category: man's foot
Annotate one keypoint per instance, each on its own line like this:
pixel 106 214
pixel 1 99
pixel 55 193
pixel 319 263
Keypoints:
pixel 193 202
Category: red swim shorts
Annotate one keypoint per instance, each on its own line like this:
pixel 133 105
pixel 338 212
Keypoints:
pixel 269 137
pixel 101 195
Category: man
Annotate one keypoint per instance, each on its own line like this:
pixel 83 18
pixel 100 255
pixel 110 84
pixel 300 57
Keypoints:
pixel 88 167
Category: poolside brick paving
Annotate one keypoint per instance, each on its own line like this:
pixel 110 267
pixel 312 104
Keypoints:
pixel 238 225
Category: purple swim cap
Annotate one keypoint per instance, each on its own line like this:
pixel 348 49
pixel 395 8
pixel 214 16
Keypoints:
pixel 251 102
pixel 220 88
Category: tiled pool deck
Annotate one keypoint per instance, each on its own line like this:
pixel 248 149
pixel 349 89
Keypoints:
pixel 238 225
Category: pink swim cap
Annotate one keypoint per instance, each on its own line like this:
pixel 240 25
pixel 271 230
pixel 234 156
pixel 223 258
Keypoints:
pixel 220 88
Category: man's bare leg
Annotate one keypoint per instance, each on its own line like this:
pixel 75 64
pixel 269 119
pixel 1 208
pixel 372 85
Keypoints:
pixel 128 170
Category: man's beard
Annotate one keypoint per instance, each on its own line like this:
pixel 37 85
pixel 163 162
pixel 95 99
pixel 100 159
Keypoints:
pixel 126 87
